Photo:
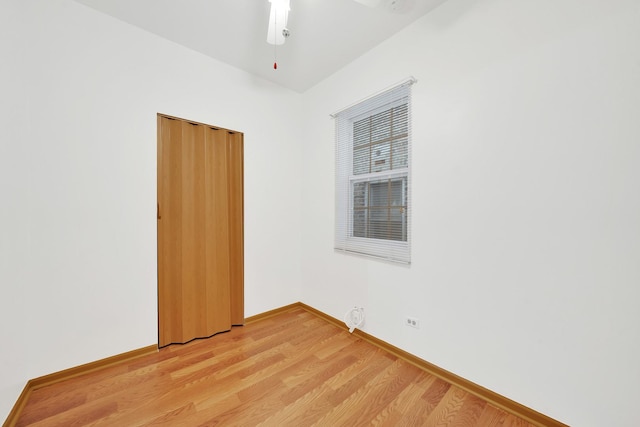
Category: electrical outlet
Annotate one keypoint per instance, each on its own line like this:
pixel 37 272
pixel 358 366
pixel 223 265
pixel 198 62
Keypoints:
pixel 412 321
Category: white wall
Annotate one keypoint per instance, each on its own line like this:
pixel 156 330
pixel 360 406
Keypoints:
pixel 526 234
pixel 80 93
pixel 13 246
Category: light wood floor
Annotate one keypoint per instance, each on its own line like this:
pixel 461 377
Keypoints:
pixel 292 369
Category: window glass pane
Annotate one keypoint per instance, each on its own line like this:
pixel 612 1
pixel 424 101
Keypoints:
pixel 361 160
pixel 397 196
pixel 397 224
pixel 381 126
pixel 380 142
pixel 400 120
pixel 380 209
pixel 359 222
pixel 361 132
pixel 378 215
pixel 381 157
pixel 359 194
pixel 378 228
pixel 396 214
pixel 378 193
pixel 400 154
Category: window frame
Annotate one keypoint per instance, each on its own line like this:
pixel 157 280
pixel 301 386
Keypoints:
pixel 345 239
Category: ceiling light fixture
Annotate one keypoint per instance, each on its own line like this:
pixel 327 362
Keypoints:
pixel 389 5
pixel 278 32
pixel 370 3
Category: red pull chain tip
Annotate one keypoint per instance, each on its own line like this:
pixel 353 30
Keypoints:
pixel 275 65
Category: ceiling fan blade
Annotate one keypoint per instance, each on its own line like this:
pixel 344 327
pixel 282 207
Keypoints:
pixel 388 5
pixel 370 3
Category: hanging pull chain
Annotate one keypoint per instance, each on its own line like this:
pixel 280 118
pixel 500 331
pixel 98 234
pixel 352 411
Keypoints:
pixel 275 36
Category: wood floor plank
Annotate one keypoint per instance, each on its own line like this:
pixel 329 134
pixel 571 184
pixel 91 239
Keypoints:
pixel 290 369
pixel 384 391
pixel 345 411
pixel 280 371
pixel 303 411
pixel 470 412
pixel 491 417
pixel 447 409
pixel 357 376
pixel 323 371
pixel 400 407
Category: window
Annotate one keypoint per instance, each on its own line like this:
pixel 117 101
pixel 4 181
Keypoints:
pixel 372 176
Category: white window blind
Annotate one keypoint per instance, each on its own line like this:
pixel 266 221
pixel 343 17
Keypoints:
pixel 373 180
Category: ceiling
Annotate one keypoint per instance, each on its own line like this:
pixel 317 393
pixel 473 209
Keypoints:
pixel 325 34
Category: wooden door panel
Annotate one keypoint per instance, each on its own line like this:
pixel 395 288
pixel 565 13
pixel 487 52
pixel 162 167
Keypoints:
pixel 198 250
pixel 193 259
pixel 235 154
pixel 169 231
pixel 217 231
